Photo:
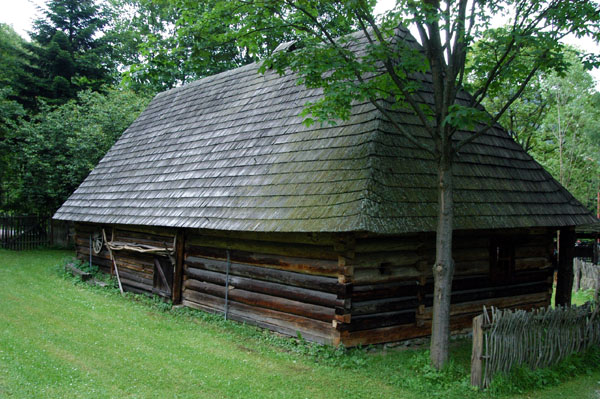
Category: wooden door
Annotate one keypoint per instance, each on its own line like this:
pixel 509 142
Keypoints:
pixel 163 276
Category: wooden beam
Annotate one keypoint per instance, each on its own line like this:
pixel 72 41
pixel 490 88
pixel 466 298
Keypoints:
pixel 477 352
pixel 564 281
pixel 178 276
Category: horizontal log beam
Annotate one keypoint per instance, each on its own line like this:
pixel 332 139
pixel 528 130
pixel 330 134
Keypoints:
pixel 280 322
pixel 262 247
pixel 319 239
pixel 384 275
pixel 320 283
pixel 388 244
pixel 368 322
pixel 477 306
pixel 389 259
pixel 267 287
pixel 300 265
pixel 262 300
pixel 384 305
pixel 385 290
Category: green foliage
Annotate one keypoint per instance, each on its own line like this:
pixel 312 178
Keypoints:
pixel 14 78
pixel 582 296
pixel 557 121
pixel 68 54
pixel 58 147
pixel 524 379
pixel 163 44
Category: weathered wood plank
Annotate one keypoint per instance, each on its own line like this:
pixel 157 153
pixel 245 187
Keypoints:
pixel 398 332
pixel 384 305
pixel 135 284
pixel 262 247
pixel 311 311
pixel 319 239
pixel 137 277
pixel 320 283
pixel 490 293
pixel 301 265
pixel 384 290
pixel 77 272
pixel 267 287
pixel 477 306
pixel 387 259
pixel 280 322
pixel 178 273
pixel 371 321
pixel 388 244
pixel 477 352
pixel 385 274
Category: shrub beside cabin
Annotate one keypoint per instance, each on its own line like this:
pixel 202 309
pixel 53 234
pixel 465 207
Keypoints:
pixel 218 197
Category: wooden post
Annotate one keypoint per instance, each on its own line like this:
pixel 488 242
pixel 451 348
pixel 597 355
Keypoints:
pixel 595 256
pixel 477 353
pixel 564 280
pixel 576 274
pixel 178 277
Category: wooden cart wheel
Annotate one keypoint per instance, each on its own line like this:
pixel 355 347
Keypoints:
pixel 97 243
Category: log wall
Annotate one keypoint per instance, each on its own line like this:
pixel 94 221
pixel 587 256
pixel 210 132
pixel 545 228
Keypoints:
pixel 288 287
pixel 339 288
pixel 392 293
pixel 136 270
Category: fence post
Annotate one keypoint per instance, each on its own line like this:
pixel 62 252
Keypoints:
pixel 477 353
pixel 564 277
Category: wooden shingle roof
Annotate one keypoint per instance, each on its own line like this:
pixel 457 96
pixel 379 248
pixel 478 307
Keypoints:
pixel 230 152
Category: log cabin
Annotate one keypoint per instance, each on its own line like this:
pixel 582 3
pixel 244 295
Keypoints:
pixel 218 197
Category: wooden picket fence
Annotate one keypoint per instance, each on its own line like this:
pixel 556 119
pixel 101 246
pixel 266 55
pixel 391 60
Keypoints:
pixel 25 232
pixel 503 339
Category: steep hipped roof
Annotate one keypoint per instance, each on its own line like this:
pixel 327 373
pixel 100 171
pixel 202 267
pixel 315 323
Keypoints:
pixel 230 152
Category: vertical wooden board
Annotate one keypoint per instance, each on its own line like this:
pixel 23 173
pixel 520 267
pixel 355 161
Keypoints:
pixel 564 281
pixel 477 353
pixel 179 259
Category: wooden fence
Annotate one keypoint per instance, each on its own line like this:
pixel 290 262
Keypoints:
pixel 503 339
pixel 24 232
pixel 586 275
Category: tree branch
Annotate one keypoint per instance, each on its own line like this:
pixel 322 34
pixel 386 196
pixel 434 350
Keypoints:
pixel 499 114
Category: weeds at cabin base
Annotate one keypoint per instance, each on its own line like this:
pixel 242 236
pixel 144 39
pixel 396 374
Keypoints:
pixel 406 368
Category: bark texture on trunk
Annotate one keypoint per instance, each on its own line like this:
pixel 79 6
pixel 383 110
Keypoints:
pixel 564 278
pixel 443 269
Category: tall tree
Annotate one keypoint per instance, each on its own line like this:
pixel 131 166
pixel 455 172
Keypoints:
pixel 13 81
pixel 556 119
pixel 568 144
pixel 59 146
pixel 388 70
pixel 69 52
pixel 162 44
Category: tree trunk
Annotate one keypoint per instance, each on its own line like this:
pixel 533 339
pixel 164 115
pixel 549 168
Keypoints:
pixel 443 269
pixel 564 278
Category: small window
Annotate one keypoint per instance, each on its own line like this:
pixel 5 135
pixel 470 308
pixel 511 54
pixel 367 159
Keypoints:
pixel 502 260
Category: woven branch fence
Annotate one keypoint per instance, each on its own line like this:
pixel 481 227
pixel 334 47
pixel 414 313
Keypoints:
pixel 503 339
pixel 586 275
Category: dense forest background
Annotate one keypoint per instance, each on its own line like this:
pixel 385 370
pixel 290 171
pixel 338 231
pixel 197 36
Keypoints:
pixel 90 67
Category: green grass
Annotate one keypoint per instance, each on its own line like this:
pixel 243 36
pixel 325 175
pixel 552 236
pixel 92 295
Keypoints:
pixel 63 339
pixel 582 296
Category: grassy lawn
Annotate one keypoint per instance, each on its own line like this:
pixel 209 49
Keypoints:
pixel 59 339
